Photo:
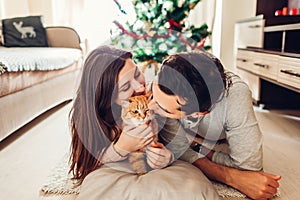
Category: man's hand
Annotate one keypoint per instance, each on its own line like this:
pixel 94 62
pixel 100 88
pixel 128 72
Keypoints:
pixel 256 185
pixel 158 156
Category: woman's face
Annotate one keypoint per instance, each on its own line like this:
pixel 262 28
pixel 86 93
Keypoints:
pixel 131 82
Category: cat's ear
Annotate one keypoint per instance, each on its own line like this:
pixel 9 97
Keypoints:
pixel 125 104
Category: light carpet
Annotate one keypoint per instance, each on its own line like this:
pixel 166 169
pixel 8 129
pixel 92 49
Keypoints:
pixel 59 182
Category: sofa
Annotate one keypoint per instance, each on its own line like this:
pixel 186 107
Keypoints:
pixel 36 79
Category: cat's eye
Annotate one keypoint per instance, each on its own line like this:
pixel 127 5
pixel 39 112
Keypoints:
pixel 135 112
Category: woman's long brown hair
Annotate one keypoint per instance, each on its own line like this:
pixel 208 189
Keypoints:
pixel 92 125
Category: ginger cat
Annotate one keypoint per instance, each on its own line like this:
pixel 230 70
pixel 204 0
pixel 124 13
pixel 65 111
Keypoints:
pixel 136 112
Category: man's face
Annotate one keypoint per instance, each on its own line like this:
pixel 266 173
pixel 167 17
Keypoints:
pixel 166 105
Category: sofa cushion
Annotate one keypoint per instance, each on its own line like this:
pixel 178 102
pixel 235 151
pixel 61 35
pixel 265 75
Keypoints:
pixel 37 58
pixel 24 32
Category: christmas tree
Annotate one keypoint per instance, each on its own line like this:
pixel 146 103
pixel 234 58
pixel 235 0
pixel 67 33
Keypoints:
pixel 161 28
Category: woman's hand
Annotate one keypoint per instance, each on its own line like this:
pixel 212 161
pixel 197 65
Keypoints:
pixel 134 138
pixel 158 156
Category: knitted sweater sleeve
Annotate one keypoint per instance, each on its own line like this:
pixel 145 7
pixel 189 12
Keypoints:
pixel 242 131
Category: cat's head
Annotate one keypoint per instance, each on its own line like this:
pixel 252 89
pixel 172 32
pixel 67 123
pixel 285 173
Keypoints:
pixel 135 111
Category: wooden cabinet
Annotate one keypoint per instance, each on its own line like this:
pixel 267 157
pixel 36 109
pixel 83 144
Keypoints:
pixel 253 83
pixel 268 54
pixel 262 64
pixel 244 64
pixel 244 60
pixel 265 65
pixel 245 29
pixel 278 68
pixel 267 8
pixel 289 72
pixel 272 78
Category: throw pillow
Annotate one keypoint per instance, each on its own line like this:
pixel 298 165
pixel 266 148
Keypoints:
pixel 24 32
pixel 179 181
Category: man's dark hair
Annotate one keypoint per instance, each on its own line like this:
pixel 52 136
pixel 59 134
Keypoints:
pixel 197 77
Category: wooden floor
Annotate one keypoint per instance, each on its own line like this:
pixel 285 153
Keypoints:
pixel 26 158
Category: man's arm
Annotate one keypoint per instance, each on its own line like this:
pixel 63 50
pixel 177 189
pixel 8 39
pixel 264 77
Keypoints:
pixel 255 184
pixel 240 169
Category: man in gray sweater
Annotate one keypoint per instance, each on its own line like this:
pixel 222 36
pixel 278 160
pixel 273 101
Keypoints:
pixel 198 98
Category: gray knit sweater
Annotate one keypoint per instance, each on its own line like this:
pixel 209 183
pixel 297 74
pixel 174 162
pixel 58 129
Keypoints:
pixel 233 120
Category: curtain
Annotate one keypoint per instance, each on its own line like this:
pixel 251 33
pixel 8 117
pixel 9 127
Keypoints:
pixel 92 19
pixel 204 12
pixel 96 21
pixel 67 12
pixel 13 8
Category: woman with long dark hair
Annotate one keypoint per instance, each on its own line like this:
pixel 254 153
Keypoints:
pixel 95 132
pixel 100 145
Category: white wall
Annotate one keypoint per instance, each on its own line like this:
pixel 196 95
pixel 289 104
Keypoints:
pixel 1 9
pixel 221 15
pixel 14 8
pixel 20 8
pixel 42 7
pixel 232 11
